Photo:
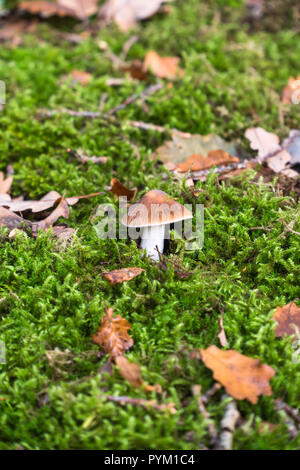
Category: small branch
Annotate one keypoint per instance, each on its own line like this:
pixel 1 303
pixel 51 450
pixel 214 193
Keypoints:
pixel 210 392
pixel 143 95
pixel 280 405
pixel 228 425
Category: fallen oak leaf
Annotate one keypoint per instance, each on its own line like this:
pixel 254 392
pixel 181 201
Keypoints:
pixel 46 202
pixel 198 162
pixel 119 189
pixel 131 372
pixel 288 320
pixel 117 276
pixel 162 67
pixel 112 335
pixel 242 376
pixel 11 220
pixel 183 146
pixel 62 210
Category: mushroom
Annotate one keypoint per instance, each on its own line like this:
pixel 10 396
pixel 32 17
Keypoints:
pixel 152 214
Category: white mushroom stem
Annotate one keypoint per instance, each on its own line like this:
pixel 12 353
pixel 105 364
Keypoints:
pixel 153 240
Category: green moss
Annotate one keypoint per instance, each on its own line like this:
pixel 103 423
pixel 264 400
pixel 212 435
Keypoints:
pixel 51 297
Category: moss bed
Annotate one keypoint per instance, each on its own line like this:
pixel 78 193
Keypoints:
pixel 52 295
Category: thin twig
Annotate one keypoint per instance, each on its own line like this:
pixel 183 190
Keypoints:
pixel 281 405
pixel 143 95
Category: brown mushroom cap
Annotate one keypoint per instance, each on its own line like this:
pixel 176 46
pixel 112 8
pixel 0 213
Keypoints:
pixel 155 208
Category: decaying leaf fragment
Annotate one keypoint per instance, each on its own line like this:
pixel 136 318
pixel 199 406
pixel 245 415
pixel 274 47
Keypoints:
pixel 126 13
pixel 74 8
pixel 119 189
pixel 195 152
pixel 162 67
pixel 117 276
pixel 288 320
pixel 11 220
pixel 291 93
pixel 79 76
pixel 242 376
pixel 131 372
pixel 265 142
pixel 112 335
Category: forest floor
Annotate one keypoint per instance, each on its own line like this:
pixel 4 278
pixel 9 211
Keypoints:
pixel 53 392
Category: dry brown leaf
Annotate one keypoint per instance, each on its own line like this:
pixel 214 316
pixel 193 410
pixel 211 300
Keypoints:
pixel 242 376
pixel 199 163
pixel 291 92
pixel 81 77
pixel 62 232
pixel 132 373
pixel 117 276
pixel 136 70
pixel 112 335
pixel 182 147
pixel 162 67
pixel 45 9
pixel 288 320
pixel 80 9
pixel 11 220
pixel 5 184
pixel 13 30
pixel 222 335
pixel 126 13
pixel 62 210
pixel 119 189
pixel 265 142
pixel 170 407
pixel 46 202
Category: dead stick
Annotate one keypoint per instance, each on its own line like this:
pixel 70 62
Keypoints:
pixel 143 95
pixel 280 405
pixel 228 424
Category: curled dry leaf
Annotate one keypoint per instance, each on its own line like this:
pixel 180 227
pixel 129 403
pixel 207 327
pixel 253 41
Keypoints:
pixel 222 335
pixel 126 13
pixel 119 189
pixel 75 8
pixel 162 67
pixel 291 93
pixel 132 373
pixel 288 320
pixel 62 210
pixel 11 220
pixel 265 142
pixel 5 184
pixel 242 376
pixel 112 335
pixel 117 276
pixel 292 146
pixel 46 202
